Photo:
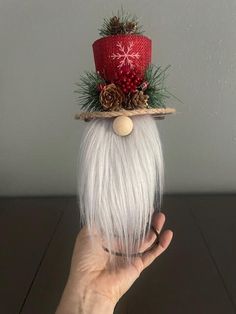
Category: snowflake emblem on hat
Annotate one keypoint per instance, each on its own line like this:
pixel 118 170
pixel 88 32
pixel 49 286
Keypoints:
pixel 125 55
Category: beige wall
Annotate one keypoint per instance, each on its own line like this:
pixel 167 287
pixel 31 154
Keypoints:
pixel 46 44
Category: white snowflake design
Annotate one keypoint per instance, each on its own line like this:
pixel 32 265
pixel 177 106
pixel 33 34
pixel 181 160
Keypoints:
pixel 125 56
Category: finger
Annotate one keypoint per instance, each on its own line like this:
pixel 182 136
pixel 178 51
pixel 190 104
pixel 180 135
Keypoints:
pixel 164 242
pixel 158 221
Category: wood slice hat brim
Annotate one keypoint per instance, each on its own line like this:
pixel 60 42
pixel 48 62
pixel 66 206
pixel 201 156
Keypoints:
pixel 156 112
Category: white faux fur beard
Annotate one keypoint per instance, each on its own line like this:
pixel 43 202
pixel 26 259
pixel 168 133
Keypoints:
pixel 120 182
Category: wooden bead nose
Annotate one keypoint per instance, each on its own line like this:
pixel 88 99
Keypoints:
pixel 122 125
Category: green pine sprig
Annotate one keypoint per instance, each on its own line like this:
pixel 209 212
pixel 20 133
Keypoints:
pixel 88 91
pixel 156 90
pixel 121 23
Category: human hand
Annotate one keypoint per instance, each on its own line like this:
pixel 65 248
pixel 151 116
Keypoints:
pixel 93 286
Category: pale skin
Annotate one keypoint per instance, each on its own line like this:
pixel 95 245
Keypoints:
pixel 93 286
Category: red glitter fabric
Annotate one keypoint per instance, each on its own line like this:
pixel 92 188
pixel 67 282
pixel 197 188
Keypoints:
pixel 117 53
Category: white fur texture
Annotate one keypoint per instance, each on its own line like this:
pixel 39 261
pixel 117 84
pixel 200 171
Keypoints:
pixel 120 181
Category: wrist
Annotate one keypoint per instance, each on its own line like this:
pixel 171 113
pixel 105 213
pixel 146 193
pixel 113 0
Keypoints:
pixel 91 302
pixel 78 299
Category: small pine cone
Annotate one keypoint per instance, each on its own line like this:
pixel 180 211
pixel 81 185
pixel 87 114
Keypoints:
pixel 111 97
pixel 138 101
pixel 130 27
pixel 115 26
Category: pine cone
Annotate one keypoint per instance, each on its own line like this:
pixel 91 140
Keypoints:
pixel 138 101
pixel 111 97
pixel 115 25
pixel 130 27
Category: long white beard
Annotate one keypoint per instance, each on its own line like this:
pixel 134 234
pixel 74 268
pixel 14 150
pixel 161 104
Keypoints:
pixel 120 181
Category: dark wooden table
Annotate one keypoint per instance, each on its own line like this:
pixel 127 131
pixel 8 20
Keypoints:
pixel 195 276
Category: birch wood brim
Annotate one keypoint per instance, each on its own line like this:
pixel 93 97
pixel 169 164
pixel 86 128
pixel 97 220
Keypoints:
pixel 156 112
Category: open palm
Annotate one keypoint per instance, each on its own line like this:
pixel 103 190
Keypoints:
pixel 90 263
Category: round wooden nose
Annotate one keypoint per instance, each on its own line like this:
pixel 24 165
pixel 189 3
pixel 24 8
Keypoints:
pixel 122 125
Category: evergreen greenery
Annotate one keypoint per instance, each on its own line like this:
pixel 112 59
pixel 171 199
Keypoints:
pixel 121 23
pixel 156 90
pixel 155 77
pixel 88 91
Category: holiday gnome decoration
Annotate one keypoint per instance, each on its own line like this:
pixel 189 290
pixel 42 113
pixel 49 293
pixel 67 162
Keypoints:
pixel 120 164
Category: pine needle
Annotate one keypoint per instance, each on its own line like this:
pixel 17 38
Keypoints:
pixel 156 90
pixel 88 91
pixel 124 20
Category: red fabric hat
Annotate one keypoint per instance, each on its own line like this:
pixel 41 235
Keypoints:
pixel 113 54
pixel 125 83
